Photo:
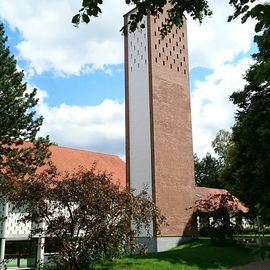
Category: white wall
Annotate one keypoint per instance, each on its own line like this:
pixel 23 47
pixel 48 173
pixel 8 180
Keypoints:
pixel 139 113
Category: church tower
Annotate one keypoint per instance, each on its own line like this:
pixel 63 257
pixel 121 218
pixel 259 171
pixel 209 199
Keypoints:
pixel 158 126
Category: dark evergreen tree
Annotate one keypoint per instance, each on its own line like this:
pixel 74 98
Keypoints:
pixel 207 171
pixel 20 152
pixel 247 169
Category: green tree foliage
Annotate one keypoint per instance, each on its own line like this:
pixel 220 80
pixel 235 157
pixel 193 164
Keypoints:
pixel 248 168
pixel 207 171
pixel 222 143
pixel 18 122
pixel 176 9
pixel 88 215
pixel 197 9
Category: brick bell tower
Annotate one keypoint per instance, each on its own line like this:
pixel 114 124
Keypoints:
pixel 158 127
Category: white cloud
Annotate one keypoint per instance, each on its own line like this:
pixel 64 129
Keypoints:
pixel 216 41
pixel 51 43
pixel 211 108
pixel 98 128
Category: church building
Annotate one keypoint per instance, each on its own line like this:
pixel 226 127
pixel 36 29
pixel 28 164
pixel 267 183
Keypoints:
pixel 159 152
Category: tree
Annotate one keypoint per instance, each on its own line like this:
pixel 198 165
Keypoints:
pixel 18 123
pixel 247 170
pixel 225 212
pixel 88 215
pixel 197 9
pixel 207 171
pixel 221 144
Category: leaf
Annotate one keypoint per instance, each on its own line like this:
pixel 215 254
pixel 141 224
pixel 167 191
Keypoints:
pixel 230 18
pixel 259 26
pixel 85 18
pixel 76 19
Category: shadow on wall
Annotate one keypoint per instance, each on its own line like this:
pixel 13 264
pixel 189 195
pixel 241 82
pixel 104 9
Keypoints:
pixel 191 229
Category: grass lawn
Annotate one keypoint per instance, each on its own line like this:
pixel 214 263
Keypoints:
pixel 199 254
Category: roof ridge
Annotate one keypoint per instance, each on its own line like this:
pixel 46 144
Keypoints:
pixel 86 151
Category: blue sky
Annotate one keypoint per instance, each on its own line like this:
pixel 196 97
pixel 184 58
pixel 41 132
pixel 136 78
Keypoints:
pixel 79 71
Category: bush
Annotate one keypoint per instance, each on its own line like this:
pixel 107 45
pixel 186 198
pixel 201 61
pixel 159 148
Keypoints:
pixel 254 230
pixel 88 214
pixel 204 231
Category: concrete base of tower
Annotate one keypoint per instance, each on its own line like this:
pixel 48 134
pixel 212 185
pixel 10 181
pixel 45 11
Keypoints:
pixel 161 243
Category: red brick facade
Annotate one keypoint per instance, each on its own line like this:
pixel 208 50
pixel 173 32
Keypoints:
pixel 173 187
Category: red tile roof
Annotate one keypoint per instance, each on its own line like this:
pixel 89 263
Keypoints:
pixel 209 199
pixel 70 160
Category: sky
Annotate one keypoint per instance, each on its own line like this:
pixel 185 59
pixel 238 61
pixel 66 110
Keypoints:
pixel 79 71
